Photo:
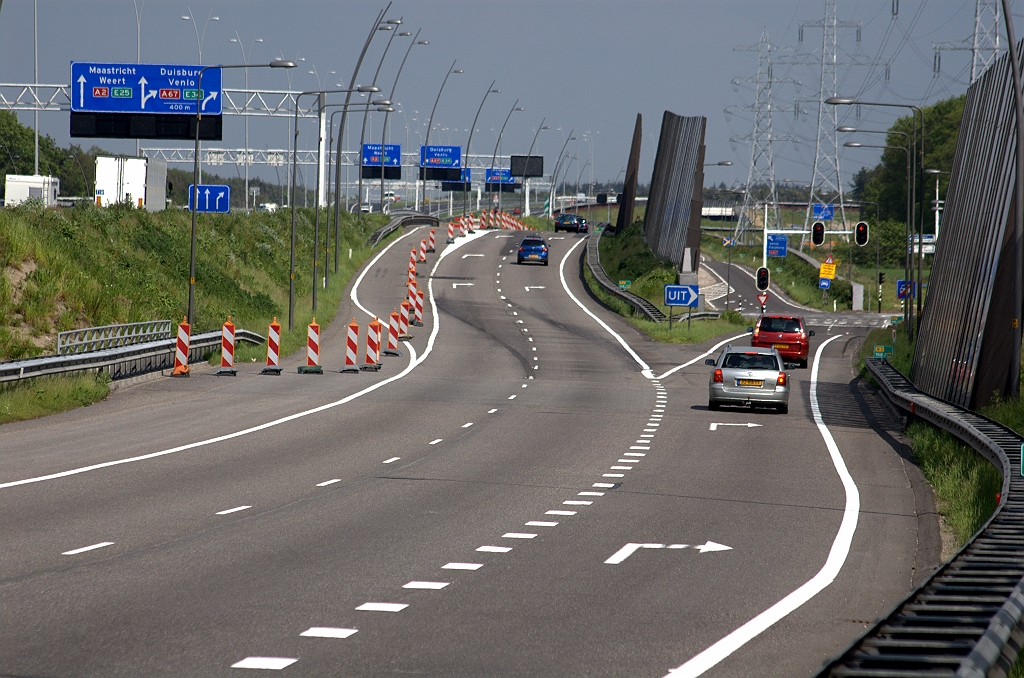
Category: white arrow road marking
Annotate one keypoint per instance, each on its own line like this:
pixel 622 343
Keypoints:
pixel 454 285
pixel 534 287
pixel 631 548
pixel 715 425
pixel 471 255
pixel 210 97
pixel 81 91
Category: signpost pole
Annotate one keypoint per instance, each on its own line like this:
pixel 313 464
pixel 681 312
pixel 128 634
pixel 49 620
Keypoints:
pixel 689 315
pixel 670 317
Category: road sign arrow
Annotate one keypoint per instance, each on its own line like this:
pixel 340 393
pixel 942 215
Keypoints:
pixel 534 287
pixel 207 199
pixel 210 97
pixel 217 202
pixel 715 425
pixel 712 546
pixel 81 91
pixel 454 285
pixel 631 548
pixel 471 255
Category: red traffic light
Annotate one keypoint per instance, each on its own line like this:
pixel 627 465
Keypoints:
pixel 818 233
pixel 763 279
pixel 860 233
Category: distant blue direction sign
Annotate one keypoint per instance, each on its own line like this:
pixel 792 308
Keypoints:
pixel 823 212
pixel 212 198
pixel 143 88
pixel 448 157
pixel 824 283
pixel 498 175
pixel 681 295
pixel 467 174
pixel 777 244
pixel 392 155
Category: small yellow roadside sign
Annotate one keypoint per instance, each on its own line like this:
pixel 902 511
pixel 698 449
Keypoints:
pixel 827 271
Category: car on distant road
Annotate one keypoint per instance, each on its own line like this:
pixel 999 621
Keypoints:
pixel 568 222
pixel 750 377
pixel 534 250
pixel 785 333
pixel 582 225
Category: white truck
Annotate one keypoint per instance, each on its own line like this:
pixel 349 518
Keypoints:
pixel 21 187
pixel 140 182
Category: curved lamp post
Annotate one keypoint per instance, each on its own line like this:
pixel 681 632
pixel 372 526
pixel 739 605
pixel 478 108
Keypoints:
pixel 388 109
pixel 525 204
pixel 515 107
pixel 554 175
pixel 430 123
pixel 469 142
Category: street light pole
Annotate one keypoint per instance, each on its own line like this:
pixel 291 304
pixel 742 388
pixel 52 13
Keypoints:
pixel 389 25
pixel 430 123
pixel 469 142
pixel 554 175
pixel 515 107
pixel 389 108
pixel 523 201
pixel 245 58
pixel 195 176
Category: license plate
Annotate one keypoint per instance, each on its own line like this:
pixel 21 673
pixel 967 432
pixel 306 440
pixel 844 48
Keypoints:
pixel 750 382
pixel 780 345
pixel 535 256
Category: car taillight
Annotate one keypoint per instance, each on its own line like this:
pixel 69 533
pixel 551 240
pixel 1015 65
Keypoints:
pixel 543 249
pixel 718 377
pixel 781 381
pixel 522 249
pixel 757 331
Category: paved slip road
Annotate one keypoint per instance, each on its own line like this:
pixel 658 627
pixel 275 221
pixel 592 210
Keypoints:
pixel 453 514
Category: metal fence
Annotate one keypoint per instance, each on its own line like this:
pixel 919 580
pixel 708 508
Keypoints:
pixel 625 218
pixel 672 220
pixel 110 336
pixel 964 347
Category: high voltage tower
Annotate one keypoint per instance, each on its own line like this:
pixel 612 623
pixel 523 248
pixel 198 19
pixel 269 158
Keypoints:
pixel 762 161
pixel 984 46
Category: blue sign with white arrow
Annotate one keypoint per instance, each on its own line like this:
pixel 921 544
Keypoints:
pixel 778 244
pixel 823 212
pixel 392 155
pixel 498 175
pixel 212 198
pixel 144 88
pixel 682 295
pixel 448 157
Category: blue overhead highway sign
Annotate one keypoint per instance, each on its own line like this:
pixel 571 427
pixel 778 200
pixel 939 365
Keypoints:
pixel 143 88
pixel 392 155
pixel 448 157
pixel 212 198
pixel 681 295
pixel 498 175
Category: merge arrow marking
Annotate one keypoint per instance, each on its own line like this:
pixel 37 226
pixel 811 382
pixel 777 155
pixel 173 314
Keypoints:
pixel 715 425
pixel 534 287
pixel 471 255
pixel 631 548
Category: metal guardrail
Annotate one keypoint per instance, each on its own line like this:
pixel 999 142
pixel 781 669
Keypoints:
pixel 967 619
pixel 110 336
pixel 594 264
pixel 398 221
pixel 123 361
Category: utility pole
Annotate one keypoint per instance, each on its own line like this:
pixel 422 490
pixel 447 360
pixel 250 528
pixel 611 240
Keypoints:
pixel 984 45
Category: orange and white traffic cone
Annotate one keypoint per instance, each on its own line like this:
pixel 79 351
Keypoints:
pixel 352 348
pixel 312 365
pixel 273 349
pixel 411 287
pixel 412 262
pixel 227 350
pixel 412 276
pixel 181 348
pixel 419 308
pixel 392 348
pixel 423 250
pixel 463 228
pixel 372 362
pixel 430 241
pixel 451 233
pixel 403 320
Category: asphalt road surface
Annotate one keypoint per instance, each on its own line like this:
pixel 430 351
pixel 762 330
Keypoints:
pixel 531 489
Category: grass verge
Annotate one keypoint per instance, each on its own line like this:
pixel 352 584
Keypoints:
pixel 34 398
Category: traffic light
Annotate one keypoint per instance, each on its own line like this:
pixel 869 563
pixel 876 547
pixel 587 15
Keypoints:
pixel 818 233
pixel 763 279
pixel 860 233
pixel 881 277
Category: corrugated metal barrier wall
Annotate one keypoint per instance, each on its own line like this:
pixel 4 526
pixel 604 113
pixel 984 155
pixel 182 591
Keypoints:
pixel 672 221
pixel 964 344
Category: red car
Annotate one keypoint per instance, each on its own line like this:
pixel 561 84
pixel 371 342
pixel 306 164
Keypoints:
pixel 784 333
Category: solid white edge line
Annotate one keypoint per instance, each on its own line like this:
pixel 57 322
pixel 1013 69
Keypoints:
pixel 833 564
pixel 354 294
pixel 703 355
pixel 414 360
pixel 561 275
pixel 75 552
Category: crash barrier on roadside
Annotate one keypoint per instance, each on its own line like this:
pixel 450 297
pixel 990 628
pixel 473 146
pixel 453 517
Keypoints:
pixel 967 619
pixel 273 366
pixel 111 336
pixel 181 349
pixel 401 220
pixel 227 350
pixel 594 264
pixel 312 365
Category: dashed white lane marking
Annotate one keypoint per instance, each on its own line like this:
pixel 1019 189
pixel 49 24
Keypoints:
pixel 591 494
pixel 635 454
pixel 328 632
pixel 621 468
pixel 628 461
pixel 329 482
pixel 467 424
pixel 435 441
pixel 462 566
pixel 582 502
pixel 382 607
pixel 646 435
pixel 606 485
pixel 612 475
pixel 75 552
pixel 639 447
pixel 540 523
pixel 511 397
pixel 429 585
pixel 649 430
pixel 502 298
pixel 525 385
pixel 492 411
pixel 518 535
pixel 391 460
pixel 829 571
pixel 272 663
pixel 559 513
pixel 495 549
pixel 232 510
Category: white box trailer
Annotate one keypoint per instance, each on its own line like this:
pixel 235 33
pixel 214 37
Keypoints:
pixel 141 182
pixel 21 187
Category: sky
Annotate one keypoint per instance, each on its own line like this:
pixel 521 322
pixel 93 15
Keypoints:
pixel 586 67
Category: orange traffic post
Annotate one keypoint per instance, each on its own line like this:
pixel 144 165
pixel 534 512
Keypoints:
pixel 372 360
pixel 181 349
pixel 273 349
pixel 403 320
pixel 352 348
pixel 423 250
pixel 418 300
pixel 451 233
pixel 227 350
pixel 431 240
pixel 312 365
pixel 393 322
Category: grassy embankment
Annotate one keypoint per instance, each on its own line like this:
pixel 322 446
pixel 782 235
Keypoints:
pixel 88 266
pixel 627 257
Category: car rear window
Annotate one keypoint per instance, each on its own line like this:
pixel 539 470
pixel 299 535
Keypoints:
pixel 780 325
pixel 533 242
pixel 751 361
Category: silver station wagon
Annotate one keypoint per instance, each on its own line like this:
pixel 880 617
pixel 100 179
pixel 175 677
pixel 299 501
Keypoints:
pixel 749 376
